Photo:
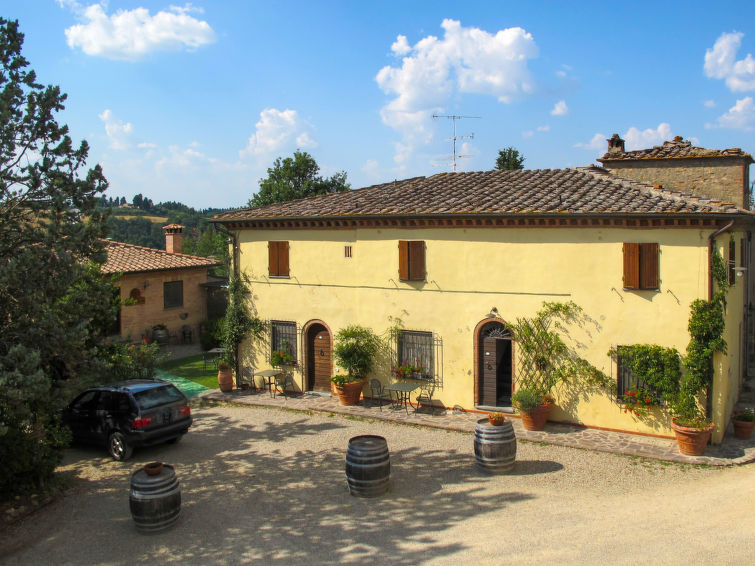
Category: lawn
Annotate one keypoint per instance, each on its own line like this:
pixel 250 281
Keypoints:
pixel 193 368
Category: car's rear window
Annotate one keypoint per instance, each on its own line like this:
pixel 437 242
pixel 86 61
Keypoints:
pixel 150 398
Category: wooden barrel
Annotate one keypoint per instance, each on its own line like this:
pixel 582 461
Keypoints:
pixel 368 466
pixel 155 500
pixel 495 446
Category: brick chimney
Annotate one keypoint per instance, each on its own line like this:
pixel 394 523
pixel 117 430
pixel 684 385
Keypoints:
pixel 615 144
pixel 174 238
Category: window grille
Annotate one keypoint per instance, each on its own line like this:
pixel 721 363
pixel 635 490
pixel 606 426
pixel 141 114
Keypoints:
pixel 412 346
pixel 283 336
pixel 626 380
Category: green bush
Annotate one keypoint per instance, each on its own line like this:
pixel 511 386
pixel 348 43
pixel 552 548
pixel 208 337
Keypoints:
pixel 355 350
pixel 212 335
pixel 527 400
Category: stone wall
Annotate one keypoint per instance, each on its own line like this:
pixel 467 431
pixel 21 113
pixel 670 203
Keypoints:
pixel 138 319
pixel 725 178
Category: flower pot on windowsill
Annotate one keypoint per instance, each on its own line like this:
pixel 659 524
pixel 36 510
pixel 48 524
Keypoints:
pixel 691 441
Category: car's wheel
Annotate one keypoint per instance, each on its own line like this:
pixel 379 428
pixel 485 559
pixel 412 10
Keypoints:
pixel 118 447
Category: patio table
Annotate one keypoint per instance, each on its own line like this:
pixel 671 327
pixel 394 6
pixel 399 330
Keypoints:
pixel 268 377
pixel 403 390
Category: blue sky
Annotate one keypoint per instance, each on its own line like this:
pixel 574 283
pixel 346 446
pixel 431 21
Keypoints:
pixel 193 102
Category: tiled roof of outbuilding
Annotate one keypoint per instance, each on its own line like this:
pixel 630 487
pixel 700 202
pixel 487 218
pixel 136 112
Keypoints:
pixel 129 258
pixel 676 148
pixel 588 190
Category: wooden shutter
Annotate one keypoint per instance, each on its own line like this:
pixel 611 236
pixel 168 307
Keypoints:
pixel 631 265
pixel 649 266
pixel 277 254
pixel 417 261
pixel 283 259
pixel 403 260
pixel 732 262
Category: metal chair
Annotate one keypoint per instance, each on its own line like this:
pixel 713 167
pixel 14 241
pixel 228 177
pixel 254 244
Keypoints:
pixel 187 334
pixel 378 392
pixel 283 380
pixel 210 358
pixel 425 396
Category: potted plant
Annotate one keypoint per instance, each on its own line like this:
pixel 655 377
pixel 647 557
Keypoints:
pixel 354 351
pixel 160 334
pixel 496 419
pixel 743 422
pixel 408 370
pixel 691 427
pixel 281 358
pixel 534 406
pixel 225 377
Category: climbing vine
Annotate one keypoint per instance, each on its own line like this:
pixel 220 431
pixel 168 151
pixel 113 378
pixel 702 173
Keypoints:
pixel 239 322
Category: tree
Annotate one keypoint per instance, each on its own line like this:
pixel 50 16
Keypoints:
pixel 509 160
pixel 294 178
pixel 54 302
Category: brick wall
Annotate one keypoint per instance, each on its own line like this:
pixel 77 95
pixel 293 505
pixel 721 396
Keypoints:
pixel 137 320
pixel 725 179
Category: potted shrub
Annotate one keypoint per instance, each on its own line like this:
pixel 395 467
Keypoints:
pixel 281 358
pixel 534 406
pixel 160 334
pixel 354 351
pixel 225 377
pixel 692 428
pixel 743 422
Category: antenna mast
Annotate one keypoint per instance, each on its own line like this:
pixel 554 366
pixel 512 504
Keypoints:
pixel 453 118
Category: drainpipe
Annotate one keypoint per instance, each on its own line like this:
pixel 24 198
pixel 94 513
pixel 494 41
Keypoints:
pixel 711 239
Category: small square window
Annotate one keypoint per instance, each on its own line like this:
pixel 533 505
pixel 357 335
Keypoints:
pixel 347 251
pixel 173 294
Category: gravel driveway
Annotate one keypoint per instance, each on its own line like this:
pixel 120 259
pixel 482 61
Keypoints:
pixel 267 485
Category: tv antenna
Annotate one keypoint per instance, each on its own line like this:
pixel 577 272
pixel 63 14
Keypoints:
pixel 453 118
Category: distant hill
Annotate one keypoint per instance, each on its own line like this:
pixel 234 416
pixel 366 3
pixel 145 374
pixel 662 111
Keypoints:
pixel 141 223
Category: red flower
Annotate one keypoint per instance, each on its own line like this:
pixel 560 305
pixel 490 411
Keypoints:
pixel 647 400
pixel 632 393
pixel 648 406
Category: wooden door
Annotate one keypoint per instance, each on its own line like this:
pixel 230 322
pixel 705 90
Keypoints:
pixel 488 389
pixel 321 361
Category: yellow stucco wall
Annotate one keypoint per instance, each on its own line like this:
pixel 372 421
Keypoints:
pixel 470 271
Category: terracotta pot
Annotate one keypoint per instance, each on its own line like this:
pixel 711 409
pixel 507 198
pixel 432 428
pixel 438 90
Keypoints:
pixel 350 393
pixel 691 441
pixel 743 429
pixel 496 421
pixel 153 468
pixel 536 419
pixel 225 380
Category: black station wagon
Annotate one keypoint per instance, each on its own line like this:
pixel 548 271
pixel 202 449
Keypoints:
pixel 129 414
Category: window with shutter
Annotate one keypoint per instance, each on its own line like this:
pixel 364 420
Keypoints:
pixel 278 259
pixel 641 265
pixel 411 260
pixel 173 294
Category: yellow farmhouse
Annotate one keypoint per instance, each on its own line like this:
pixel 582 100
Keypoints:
pixel 449 260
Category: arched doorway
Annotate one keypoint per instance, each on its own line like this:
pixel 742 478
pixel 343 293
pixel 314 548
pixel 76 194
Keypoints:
pixel 319 351
pixel 494 365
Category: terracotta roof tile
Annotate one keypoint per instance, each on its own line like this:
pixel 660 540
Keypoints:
pixel 587 190
pixel 126 258
pixel 676 148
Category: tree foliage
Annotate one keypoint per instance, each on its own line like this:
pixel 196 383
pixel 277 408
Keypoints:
pixel 294 178
pixel 54 303
pixel 509 159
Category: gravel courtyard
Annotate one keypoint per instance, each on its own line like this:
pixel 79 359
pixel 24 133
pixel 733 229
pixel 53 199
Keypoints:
pixel 266 485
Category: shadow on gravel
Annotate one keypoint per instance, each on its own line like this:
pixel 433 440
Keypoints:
pixel 286 505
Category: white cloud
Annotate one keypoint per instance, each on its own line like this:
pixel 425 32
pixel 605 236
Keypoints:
pixel 709 103
pixel 132 34
pixel 636 139
pixel 597 142
pixel 275 131
pixel 401 46
pixel 371 169
pixel 544 128
pixel 528 134
pixel 464 60
pixel 560 109
pixel 118 132
pixel 741 116
pixel 721 63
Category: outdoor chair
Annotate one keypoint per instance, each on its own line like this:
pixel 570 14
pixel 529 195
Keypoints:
pixel 283 380
pixel 378 392
pixel 210 358
pixel 425 396
pixel 187 334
